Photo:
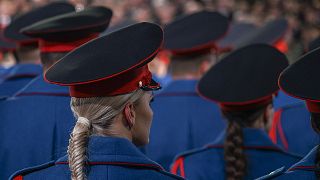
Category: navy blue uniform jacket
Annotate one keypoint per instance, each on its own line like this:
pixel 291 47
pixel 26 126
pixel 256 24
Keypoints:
pixel 108 158
pixel 182 121
pixel 208 163
pixel 35 126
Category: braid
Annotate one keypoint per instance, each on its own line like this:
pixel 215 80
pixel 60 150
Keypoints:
pixel 94 117
pixel 234 152
pixel 235 159
pixel 77 149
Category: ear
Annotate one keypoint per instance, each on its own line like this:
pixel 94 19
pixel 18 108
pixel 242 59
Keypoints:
pixel 269 112
pixel 129 114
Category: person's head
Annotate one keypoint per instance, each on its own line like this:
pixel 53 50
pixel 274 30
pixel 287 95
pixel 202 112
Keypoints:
pixel 61 34
pixel 27 50
pixel 111 88
pixel 243 83
pixel 192 66
pixel 300 80
pixel 192 53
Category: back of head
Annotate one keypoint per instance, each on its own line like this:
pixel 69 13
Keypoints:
pixel 61 34
pixel 243 83
pixel 106 85
pixel 192 52
pixel 300 80
pixel 27 50
pixel 95 116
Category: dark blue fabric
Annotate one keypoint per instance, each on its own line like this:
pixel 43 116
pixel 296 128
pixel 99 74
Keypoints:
pixel 304 169
pixel 35 126
pixel 262 157
pixel 109 158
pixel 17 77
pixel 296 126
pixel 182 120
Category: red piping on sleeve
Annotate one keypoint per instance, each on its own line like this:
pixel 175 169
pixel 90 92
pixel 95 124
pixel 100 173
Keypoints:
pixel 178 164
pixel 18 178
pixel 273 130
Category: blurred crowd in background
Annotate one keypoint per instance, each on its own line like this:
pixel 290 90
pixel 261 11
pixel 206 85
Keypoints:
pixel 303 16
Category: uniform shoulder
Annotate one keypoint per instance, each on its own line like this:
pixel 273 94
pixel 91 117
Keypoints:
pixel 19 174
pixel 273 174
pixel 192 152
pixel 171 176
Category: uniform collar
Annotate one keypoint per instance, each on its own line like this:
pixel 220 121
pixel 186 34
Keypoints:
pixel 253 139
pixel 23 70
pixel 307 163
pixel 39 87
pixel 115 151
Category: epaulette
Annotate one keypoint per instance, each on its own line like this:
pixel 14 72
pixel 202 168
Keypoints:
pixel 273 174
pixel 29 170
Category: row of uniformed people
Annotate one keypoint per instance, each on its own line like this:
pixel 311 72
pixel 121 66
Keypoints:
pixel 42 27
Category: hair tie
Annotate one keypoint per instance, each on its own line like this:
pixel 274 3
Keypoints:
pixel 84 121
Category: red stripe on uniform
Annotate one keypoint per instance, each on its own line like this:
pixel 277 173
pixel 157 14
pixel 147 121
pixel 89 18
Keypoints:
pixel 273 130
pixel 18 178
pixel 282 136
pixel 178 164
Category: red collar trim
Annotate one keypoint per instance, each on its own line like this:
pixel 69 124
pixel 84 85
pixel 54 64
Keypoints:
pixel 49 46
pixel 152 166
pixel 307 168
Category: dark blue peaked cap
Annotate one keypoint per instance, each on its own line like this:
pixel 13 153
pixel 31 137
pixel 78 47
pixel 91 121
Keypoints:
pixel 12 31
pixel 271 33
pixel 195 33
pixel 301 80
pixel 245 78
pixel 73 25
pixel 112 64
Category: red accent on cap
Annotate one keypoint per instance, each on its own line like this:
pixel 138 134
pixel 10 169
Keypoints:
pixel 49 46
pixel 313 107
pixel 281 45
pixel 120 84
pixel 246 106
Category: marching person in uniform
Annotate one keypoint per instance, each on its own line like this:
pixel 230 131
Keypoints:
pixel 300 80
pixel 182 119
pixel 111 89
pixel 243 84
pixel 39 112
pixel 27 52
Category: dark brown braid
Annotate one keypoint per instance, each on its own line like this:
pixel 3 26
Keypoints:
pixel 315 121
pixel 234 155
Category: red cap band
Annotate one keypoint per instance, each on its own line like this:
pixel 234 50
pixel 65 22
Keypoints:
pixel 247 106
pixel 281 45
pixel 120 84
pixel 313 107
pixel 49 46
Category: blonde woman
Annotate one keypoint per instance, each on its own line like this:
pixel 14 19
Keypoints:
pixel 111 88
